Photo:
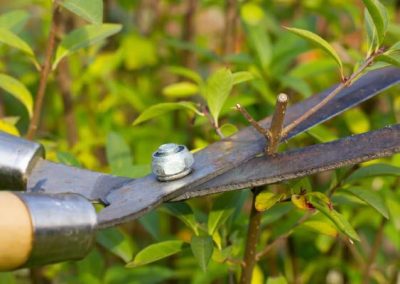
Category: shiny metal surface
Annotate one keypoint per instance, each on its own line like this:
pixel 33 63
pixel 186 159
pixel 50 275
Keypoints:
pixel 171 162
pixel 63 225
pixel 17 158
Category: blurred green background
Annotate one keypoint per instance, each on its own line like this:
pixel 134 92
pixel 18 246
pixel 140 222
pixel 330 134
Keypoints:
pixel 96 93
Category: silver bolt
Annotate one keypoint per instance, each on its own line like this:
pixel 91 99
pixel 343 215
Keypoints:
pixel 171 162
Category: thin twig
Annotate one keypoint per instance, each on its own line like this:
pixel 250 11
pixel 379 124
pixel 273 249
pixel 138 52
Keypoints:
pixel 264 132
pixel 277 124
pixel 44 74
pixel 336 91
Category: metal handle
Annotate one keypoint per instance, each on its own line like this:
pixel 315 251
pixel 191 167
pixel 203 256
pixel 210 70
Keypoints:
pixel 38 229
pixel 17 158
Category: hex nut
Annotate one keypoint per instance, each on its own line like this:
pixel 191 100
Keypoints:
pixel 171 162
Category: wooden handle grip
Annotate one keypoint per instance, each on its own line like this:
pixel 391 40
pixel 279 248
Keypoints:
pixel 16 232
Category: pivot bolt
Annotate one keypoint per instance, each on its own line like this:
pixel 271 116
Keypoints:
pixel 171 162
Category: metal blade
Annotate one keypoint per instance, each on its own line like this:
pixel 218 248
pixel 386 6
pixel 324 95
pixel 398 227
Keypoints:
pixel 139 196
pixel 304 162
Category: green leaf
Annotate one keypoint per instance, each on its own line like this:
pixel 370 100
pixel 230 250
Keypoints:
pixel 202 248
pixel 379 16
pixel 372 38
pixel 156 252
pixel 320 227
pixel 277 280
pixel 183 211
pixel 14 20
pixel 228 129
pixel 261 44
pixel 357 121
pixel 372 198
pixel 390 59
pixel 187 73
pixel 18 90
pixel 217 90
pixel 266 199
pixel 68 159
pixel 181 90
pixel 321 43
pixel 224 206
pixel 117 242
pixel 83 37
pixel 340 222
pixel 372 171
pixel 240 77
pixel 11 39
pixel 322 133
pixel 163 108
pixel 8 127
pixel 90 10
pixel 118 153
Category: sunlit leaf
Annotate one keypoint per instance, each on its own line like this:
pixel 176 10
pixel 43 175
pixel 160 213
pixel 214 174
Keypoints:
pixel 357 121
pixel 379 16
pixel 228 129
pixel 117 242
pixel 217 90
pixel 322 134
pixel 187 73
pixel 320 227
pixel 202 248
pixel 11 39
pixel 68 159
pixel 156 252
pixel 181 90
pixel 340 222
pixel 83 37
pixel 277 280
pixel 240 77
pixel 260 42
pixel 372 171
pixel 14 20
pixel 18 90
pixel 163 108
pixel 300 201
pixel 183 211
pixel 371 32
pixel 8 128
pixel 320 42
pixel 266 199
pixel 89 10
pixel 372 198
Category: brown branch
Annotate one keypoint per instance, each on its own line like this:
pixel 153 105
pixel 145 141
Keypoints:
pixel 277 124
pixel 264 132
pixel 189 32
pixel 44 74
pixel 231 19
pixel 330 96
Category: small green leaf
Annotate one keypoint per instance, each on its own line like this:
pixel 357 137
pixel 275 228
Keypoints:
pixel 240 77
pixel 118 154
pixel 322 133
pixel 372 171
pixel 156 252
pixel 163 108
pixel 266 199
pixel 187 73
pixel 18 90
pixel 320 227
pixel 372 38
pixel 83 37
pixel 202 248
pixel 379 16
pixel 357 121
pixel 8 127
pixel 183 211
pixel 340 222
pixel 217 90
pixel 181 90
pixel 372 198
pixel 224 206
pixel 14 20
pixel 388 58
pixel 228 129
pixel 117 242
pixel 11 39
pixel 68 159
pixel 321 43
pixel 89 10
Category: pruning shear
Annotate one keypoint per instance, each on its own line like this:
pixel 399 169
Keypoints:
pixel 51 218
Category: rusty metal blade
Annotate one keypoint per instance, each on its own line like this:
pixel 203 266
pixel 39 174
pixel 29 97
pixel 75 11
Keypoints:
pixel 303 162
pixel 139 196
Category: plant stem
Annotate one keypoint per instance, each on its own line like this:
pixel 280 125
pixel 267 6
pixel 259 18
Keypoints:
pixel 254 228
pixel 330 96
pixel 264 132
pixel 44 74
pixel 230 33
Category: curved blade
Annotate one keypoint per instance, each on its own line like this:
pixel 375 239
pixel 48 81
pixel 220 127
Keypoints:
pixel 139 196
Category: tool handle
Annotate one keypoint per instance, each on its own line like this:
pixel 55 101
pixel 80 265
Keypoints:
pixel 38 229
pixel 17 158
